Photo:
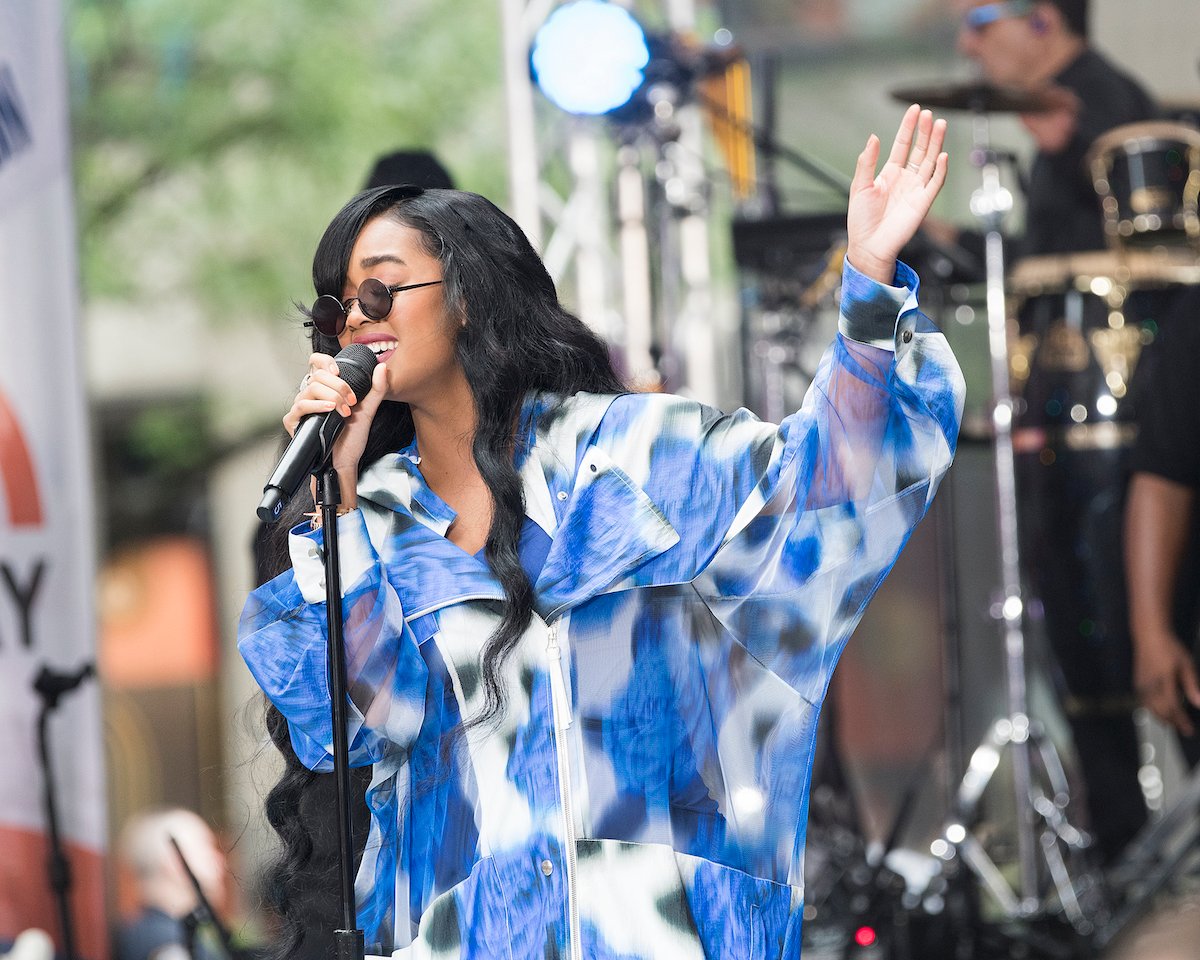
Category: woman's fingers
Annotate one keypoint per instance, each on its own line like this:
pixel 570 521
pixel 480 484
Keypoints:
pixel 919 150
pixel 864 169
pixel 323 383
pixel 938 139
pixel 321 390
pixel 904 136
pixel 917 147
pixel 938 177
pixel 321 361
pixel 933 147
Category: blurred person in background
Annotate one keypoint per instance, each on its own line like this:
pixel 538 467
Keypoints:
pixel 167 899
pixel 421 168
pixel 587 631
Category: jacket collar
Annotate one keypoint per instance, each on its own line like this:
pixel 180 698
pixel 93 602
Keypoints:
pixel 602 529
pixel 426 569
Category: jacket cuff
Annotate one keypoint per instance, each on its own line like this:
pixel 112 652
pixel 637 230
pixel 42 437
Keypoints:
pixel 307 549
pixel 870 309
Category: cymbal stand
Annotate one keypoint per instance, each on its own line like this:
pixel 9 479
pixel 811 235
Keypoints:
pixel 1013 732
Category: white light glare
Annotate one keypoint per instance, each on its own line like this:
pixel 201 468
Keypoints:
pixel 588 56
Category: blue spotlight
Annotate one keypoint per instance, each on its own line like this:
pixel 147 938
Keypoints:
pixel 589 57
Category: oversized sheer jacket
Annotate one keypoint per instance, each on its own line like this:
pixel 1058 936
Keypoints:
pixel 644 793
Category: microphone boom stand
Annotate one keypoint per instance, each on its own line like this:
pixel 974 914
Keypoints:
pixel 349 940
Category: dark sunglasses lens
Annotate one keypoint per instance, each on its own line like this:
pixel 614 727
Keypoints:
pixel 374 298
pixel 328 316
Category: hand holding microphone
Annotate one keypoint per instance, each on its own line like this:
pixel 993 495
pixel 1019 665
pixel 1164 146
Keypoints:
pixel 337 402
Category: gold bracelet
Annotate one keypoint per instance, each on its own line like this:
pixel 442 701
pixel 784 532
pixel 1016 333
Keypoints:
pixel 315 519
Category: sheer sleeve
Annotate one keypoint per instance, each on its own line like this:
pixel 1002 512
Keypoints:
pixel 847 479
pixel 282 637
pixel 786 531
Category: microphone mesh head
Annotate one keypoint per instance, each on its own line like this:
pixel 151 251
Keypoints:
pixel 355 365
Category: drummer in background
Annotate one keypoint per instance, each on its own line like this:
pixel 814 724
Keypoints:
pixel 1042 49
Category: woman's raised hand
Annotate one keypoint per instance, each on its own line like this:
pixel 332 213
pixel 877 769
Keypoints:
pixel 886 209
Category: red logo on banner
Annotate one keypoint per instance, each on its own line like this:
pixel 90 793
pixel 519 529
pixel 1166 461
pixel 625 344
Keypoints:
pixel 16 472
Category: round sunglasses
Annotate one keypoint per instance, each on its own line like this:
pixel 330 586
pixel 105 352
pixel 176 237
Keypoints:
pixel 374 299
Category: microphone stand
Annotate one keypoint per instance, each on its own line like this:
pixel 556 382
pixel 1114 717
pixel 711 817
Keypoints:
pixel 203 912
pixel 1020 898
pixel 349 941
pixel 51 685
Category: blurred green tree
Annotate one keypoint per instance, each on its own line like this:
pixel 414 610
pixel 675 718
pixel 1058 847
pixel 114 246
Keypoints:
pixel 213 141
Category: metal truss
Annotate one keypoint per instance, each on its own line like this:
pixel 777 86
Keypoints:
pixel 627 240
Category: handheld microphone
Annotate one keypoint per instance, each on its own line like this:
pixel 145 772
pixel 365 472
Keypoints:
pixel 312 443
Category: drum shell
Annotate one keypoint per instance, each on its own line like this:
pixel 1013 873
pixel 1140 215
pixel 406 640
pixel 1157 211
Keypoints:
pixel 1147 177
pixel 1077 359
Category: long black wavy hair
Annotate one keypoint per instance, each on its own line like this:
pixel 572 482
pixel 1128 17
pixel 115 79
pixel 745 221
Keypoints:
pixel 517 338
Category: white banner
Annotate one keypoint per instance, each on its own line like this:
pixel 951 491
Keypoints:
pixel 47 564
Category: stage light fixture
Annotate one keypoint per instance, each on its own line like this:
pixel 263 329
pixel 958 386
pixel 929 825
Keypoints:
pixel 589 57
pixel 593 58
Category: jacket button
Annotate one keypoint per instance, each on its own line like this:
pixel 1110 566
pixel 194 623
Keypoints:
pixel 907 336
pixel 547 867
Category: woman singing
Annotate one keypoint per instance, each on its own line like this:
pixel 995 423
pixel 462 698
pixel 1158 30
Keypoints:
pixel 588 631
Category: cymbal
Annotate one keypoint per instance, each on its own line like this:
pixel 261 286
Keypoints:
pixel 980 97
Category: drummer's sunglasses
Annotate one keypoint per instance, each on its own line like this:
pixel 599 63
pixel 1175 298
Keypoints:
pixel 979 17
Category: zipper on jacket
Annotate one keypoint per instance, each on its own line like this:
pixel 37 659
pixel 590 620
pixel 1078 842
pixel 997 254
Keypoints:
pixel 562 722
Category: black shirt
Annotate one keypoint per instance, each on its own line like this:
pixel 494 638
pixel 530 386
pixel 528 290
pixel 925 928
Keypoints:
pixel 1063 212
pixel 1168 399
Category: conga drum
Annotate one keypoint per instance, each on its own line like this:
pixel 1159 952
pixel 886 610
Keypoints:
pixel 1147 176
pixel 1082 334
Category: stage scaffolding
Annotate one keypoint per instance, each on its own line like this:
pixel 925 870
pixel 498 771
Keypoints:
pixel 627 240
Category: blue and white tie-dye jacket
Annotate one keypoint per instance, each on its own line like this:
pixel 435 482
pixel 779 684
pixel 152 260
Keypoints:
pixel 645 791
